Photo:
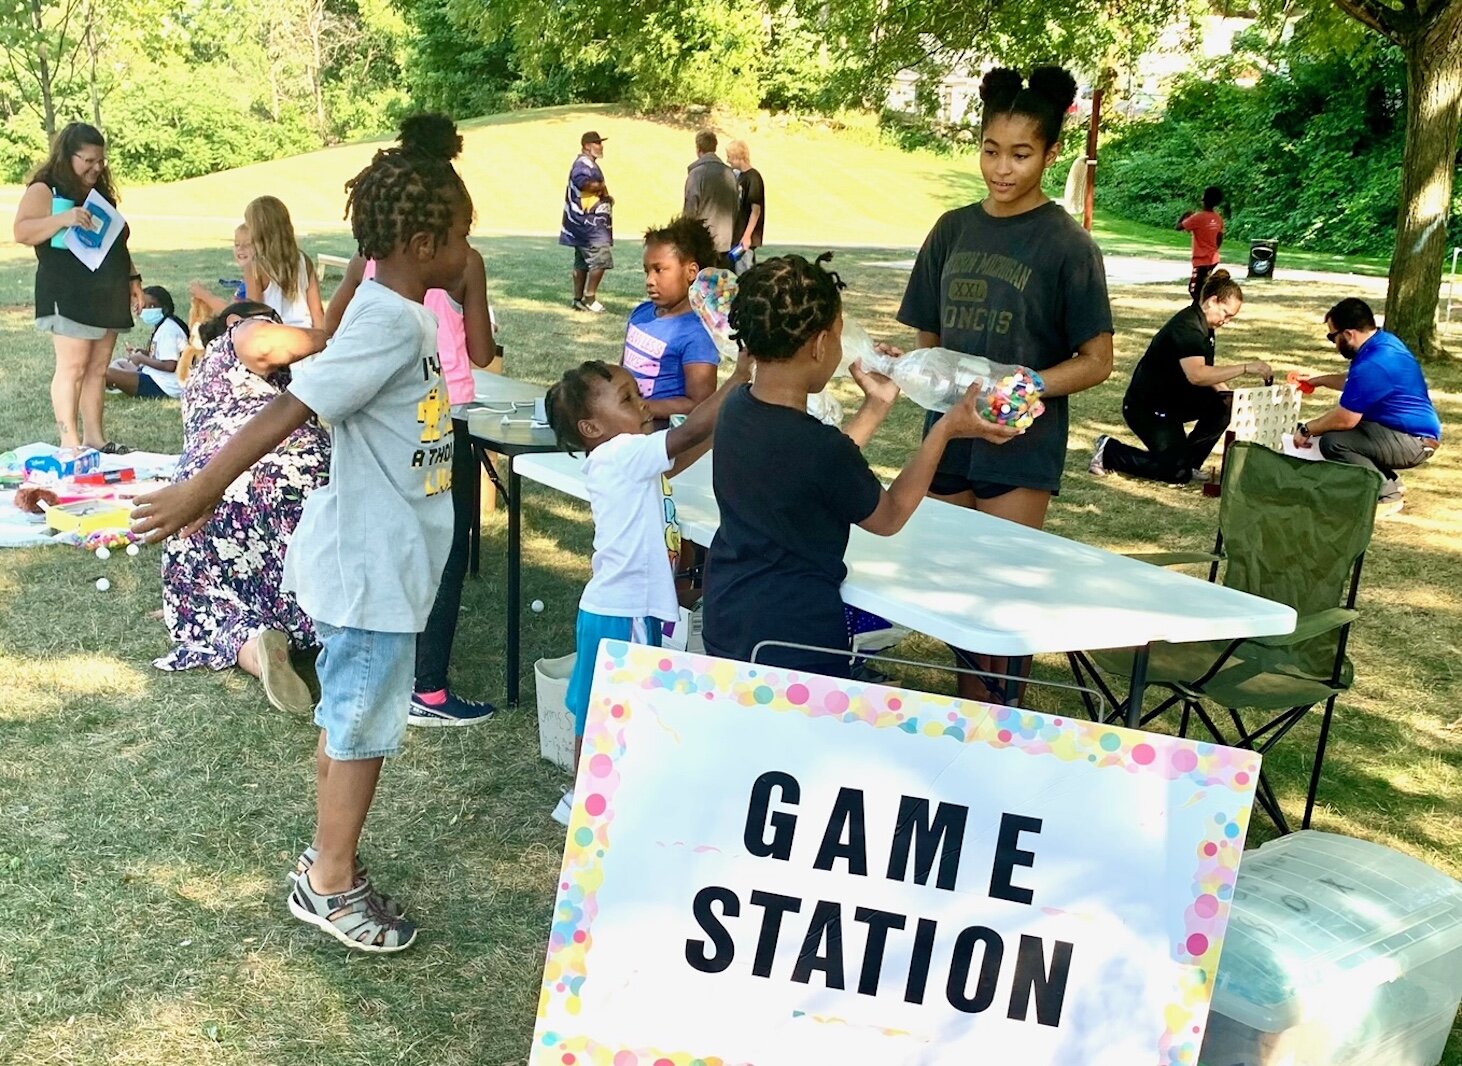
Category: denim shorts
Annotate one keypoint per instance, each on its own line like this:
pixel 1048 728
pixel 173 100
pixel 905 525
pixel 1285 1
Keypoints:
pixel 365 690
pixel 588 632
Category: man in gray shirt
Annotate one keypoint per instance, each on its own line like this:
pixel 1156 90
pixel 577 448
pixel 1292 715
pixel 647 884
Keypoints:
pixel 711 195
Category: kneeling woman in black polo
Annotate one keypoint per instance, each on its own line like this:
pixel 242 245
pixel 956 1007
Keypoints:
pixel 1176 383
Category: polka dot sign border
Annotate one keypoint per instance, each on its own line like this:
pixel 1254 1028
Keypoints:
pixel 1208 767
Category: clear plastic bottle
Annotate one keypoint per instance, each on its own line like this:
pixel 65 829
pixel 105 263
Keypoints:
pixel 856 344
pixel 938 378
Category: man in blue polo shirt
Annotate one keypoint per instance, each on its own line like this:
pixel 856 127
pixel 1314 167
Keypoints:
pixel 1386 420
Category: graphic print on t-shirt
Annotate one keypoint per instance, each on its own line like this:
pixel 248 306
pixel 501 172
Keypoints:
pixel 434 415
pixel 642 355
pixel 672 525
pixel 968 278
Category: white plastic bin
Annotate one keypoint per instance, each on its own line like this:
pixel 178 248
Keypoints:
pixel 1339 952
pixel 555 723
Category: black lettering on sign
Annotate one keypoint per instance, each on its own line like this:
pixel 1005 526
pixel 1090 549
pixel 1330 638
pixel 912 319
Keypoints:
pixel 1008 855
pixel 822 947
pixel 956 990
pixel 418 458
pixel 846 820
pixel 724 948
pixel 919 961
pixel 941 836
pixel 879 923
pixel 774 906
pixel 783 823
pixel 1031 976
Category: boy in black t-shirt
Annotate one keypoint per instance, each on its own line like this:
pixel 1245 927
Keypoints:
pixel 751 211
pixel 776 564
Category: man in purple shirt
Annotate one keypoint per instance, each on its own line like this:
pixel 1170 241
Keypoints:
pixel 585 223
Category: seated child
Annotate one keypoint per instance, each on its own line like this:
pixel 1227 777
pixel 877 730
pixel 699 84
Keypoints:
pixel 669 352
pixel 776 563
pixel 153 371
pixel 598 409
pixel 244 257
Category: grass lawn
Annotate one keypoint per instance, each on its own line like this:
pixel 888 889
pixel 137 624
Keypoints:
pixel 827 184
pixel 147 819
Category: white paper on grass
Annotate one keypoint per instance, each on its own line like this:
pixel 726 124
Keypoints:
pixel 92 245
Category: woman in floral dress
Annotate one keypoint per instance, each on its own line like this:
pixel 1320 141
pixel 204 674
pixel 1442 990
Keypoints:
pixel 222 600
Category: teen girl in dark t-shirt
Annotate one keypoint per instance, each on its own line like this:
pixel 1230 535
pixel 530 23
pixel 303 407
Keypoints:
pixel 1014 279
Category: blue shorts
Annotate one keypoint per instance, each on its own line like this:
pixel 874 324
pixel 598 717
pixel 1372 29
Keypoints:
pixel 148 388
pixel 365 690
pixel 588 632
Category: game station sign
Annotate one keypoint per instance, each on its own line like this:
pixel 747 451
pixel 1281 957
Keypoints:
pixel 773 868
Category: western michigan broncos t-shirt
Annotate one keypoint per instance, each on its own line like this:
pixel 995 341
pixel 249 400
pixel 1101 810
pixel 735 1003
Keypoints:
pixel 371 545
pixel 1029 290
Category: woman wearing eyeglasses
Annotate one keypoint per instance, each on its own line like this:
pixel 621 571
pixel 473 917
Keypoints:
pixel 82 309
pixel 1175 383
pixel 222 600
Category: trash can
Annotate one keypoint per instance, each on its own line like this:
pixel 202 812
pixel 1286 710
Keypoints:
pixel 1262 254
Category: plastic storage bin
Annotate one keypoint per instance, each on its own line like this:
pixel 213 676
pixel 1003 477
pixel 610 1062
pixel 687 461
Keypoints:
pixel 1339 952
pixel 555 723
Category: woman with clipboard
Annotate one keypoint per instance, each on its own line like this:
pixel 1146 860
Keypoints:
pixel 83 308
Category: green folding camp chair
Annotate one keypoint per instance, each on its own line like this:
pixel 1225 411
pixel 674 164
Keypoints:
pixel 1294 532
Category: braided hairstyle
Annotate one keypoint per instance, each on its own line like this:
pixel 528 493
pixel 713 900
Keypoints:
pixel 689 237
pixel 1044 100
pixel 781 304
pixel 567 402
pixel 430 134
pixel 407 189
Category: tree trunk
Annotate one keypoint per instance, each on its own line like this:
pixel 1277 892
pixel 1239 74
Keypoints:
pixel 92 50
pixel 1433 117
pixel 43 70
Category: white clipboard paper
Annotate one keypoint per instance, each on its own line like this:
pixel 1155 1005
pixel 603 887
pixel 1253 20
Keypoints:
pixel 91 245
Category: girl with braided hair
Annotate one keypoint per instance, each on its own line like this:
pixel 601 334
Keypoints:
pixel 370 546
pixel 464 340
pixel 776 564
pixel 1015 279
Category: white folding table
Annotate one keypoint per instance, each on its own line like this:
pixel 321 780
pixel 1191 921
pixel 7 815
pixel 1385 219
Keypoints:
pixel 995 587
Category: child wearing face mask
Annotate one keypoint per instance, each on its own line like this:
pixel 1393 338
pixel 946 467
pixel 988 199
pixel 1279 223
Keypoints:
pixel 152 372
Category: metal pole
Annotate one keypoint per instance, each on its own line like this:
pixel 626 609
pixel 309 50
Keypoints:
pixel 1091 158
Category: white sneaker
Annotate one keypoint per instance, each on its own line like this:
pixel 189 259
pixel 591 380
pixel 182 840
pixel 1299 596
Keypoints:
pixel 1096 468
pixel 595 306
pixel 565 809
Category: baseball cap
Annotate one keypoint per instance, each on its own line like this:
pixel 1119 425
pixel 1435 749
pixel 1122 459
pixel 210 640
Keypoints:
pixel 591 137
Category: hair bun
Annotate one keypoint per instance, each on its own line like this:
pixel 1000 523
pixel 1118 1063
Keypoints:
pixel 433 135
pixel 1055 84
pixel 999 88
pixel 1220 275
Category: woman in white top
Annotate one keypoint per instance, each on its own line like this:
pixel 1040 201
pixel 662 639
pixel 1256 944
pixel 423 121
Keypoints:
pixel 152 372
pixel 281 275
